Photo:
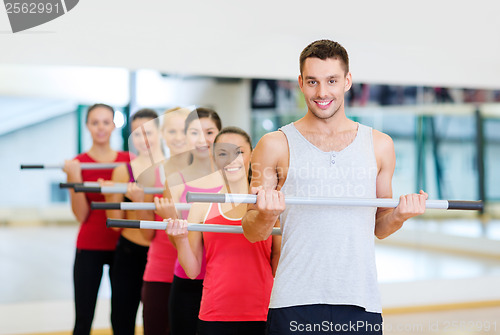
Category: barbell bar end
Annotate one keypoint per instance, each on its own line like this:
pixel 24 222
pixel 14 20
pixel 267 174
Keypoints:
pixel 120 223
pixel 465 205
pixel 105 205
pixel 31 166
pixel 69 185
pixel 87 189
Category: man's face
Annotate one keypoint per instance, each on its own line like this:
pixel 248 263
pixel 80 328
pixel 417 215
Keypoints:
pixel 323 83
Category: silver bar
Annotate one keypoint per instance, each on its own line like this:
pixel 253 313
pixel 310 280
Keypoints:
pixel 97 184
pixel 136 206
pixel 99 166
pixel 83 166
pixel 359 202
pixel 123 189
pixel 212 228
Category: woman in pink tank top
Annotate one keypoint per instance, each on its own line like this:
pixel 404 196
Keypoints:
pixel 239 274
pixel 201 127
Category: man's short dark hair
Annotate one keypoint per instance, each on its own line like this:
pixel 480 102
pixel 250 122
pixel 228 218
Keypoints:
pixel 324 49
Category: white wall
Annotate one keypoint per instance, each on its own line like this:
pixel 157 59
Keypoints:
pixel 229 98
pixel 55 140
pixel 52 141
pixel 87 85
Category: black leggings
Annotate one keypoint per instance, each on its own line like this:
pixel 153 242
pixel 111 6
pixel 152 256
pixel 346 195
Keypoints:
pixel 87 275
pixel 128 270
pixel 232 327
pixel 184 305
pixel 155 297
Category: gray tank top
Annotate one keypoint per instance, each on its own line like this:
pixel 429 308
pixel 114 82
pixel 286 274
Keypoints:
pixel 328 253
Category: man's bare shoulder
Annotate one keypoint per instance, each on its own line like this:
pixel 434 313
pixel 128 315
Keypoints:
pixel 384 150
pixel 272 141
pixel 382 141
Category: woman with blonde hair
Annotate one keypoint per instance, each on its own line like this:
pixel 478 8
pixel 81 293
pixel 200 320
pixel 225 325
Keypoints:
pixel 159 272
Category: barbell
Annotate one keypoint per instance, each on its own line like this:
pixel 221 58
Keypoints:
pixel 121 189
pixel 317 201
pixel 161 225
pixel 83 166
pixel 133 206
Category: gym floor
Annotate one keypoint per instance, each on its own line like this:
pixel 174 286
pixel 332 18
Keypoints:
pixel 36 283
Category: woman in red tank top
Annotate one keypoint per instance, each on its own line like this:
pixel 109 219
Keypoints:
pixel 95 243
pixel 239 274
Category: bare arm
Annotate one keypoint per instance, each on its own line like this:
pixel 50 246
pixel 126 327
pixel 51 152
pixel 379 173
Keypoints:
pixel 189 244
pixel 119 175
pixel 269 159
pixel 79 203
pixel 173 193
pixel 148 234
pixel 390 220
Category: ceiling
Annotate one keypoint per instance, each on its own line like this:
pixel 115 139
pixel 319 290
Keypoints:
pixel 437 43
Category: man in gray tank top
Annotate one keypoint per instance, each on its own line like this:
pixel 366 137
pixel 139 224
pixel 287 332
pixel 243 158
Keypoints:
pixel 326 280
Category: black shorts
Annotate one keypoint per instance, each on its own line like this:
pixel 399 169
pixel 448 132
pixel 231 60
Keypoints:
pixel 231 327
pixel 323 319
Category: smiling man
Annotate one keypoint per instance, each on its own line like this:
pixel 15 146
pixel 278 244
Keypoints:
pixel 326 273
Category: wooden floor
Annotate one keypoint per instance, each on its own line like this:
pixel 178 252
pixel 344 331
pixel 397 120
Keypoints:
pixel 36 291
pixel 450 322
pixel 453 321
pixel 138 331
